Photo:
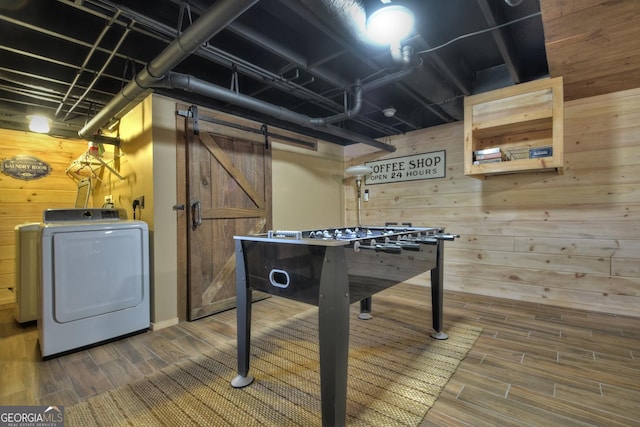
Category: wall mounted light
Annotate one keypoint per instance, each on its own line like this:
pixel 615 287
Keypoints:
pixel 388 23
pixel 39 123
pixel 359 172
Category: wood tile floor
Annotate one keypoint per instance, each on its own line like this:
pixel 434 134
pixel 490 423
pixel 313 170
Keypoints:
pixel 534 365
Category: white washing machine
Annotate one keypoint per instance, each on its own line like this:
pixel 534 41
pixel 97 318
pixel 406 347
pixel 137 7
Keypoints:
pixel 94 278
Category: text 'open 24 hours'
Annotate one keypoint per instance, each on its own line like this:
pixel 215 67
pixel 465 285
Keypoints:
pixel 409 168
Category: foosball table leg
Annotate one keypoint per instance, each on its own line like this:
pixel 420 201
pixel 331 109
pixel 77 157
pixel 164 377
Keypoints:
pixel 437 293
pixel 243 320
pixel 365 309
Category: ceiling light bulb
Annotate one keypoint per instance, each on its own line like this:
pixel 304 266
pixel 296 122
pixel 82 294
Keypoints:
pixel 390 24
pixel 389 112
pixel 39 124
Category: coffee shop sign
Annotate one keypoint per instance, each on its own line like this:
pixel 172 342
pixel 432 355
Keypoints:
pixel 409 168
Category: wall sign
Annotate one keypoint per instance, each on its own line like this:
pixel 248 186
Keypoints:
pixel 25 167
pixel 409 168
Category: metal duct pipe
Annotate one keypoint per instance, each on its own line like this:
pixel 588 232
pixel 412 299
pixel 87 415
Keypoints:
pixel 349 114
pixel 390 78
pixel 193 84
pixel 209 24
pixel 100 72
pixel 106 28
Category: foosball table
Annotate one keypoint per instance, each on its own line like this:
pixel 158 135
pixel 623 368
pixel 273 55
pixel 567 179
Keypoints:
pixel 332 269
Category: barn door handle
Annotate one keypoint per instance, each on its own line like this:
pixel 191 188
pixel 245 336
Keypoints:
pixel 197 213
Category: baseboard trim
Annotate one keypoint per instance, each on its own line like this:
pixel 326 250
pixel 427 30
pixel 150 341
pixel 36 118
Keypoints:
pixel 164 324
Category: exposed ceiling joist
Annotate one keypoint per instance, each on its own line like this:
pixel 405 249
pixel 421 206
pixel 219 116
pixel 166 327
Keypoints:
pixel 304 56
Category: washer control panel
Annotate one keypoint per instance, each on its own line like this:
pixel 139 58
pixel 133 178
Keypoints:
pixel 82 214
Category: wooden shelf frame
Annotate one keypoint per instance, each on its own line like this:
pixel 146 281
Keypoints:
pixel 528 115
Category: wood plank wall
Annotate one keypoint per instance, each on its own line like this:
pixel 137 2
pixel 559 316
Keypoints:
pixel 593 44
pixel 23 201
pixel 571 240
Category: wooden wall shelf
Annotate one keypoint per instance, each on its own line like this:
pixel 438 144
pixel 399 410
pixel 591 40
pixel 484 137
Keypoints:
pixel 515 119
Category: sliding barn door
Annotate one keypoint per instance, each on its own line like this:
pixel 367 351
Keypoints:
pixel 228 193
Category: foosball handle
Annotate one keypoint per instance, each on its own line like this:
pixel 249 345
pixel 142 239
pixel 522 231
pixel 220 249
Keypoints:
pixel 447 236
pixel 388 248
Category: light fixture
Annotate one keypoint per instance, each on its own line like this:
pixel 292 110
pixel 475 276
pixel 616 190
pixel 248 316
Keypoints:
pixel 39 123
pixel 389 112
pixel 359 172
pixel 388 23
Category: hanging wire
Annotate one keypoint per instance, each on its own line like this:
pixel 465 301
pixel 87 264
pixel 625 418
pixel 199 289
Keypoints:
pixel 475 33
pixel 464 36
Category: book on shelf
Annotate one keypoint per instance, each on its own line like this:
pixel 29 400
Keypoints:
pixel 537 152
pixel 480 162
pixel 498 155
pixel 487 151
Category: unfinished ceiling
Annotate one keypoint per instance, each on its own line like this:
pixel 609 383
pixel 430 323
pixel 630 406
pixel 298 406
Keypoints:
pixel 302 65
